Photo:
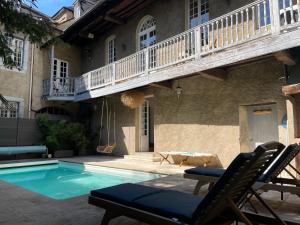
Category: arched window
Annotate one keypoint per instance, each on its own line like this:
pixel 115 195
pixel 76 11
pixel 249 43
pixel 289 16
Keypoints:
pixel 146 32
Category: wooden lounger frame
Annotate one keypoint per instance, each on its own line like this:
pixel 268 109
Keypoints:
pixel 229 197
pixel 112 207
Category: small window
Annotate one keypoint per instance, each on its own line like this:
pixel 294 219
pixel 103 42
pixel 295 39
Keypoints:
pixel 111 49
pixel 198 12
pixel 9 110
pixel 17 47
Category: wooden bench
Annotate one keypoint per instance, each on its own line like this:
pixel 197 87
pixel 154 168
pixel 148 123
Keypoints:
pixel 191 158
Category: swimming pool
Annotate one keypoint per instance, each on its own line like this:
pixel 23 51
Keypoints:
pixel 65 180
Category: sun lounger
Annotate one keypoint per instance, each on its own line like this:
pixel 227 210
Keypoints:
pixel 167 207
pixel 207 175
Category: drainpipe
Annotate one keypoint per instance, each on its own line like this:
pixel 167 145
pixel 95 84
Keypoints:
pixel 51 70
pixel 31 81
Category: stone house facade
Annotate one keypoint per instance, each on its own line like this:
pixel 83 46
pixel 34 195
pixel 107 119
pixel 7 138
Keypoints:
pixel 216 75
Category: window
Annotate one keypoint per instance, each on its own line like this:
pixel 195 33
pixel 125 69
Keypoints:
pixel 17 47
pixel 198 12
pixel 146 32
pixel 9 111
pixel 60 69
pixel 111 49
pixel 289 12
pixel 264 11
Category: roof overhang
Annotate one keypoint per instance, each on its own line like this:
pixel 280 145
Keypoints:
pixel 101 17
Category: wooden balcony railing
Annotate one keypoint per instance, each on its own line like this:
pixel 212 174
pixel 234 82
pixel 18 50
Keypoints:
pixel 253 21
pixel 59 87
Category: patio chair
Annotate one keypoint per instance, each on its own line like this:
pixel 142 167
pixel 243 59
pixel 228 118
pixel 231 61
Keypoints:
pixel 167 207
pixel 209 175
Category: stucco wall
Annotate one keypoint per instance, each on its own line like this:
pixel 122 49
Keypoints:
pixel 206 117
pixel 171 17
pixel 125 125
pixel 16 84
pixel 72 55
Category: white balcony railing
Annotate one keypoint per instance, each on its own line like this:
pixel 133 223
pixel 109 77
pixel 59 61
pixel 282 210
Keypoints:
pixel 256 20
pixel 59 87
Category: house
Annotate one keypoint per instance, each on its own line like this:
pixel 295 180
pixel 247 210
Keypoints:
pixel 217 76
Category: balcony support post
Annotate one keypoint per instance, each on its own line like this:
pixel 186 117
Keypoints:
pixel 89 82
pixel 198 40
pixel 275 16
pixel 147 64
pixel 113 74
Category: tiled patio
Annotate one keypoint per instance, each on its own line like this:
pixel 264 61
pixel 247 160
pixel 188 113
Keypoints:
pixel 21 207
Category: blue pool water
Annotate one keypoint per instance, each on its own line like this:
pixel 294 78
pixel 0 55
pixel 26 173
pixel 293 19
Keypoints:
pixel 66 180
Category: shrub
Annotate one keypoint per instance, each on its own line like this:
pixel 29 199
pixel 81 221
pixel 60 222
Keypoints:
pixel 62 135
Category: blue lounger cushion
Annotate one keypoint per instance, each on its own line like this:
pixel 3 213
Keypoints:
pixel 14 150
pixel 205 171
pixel 171 204
pixel 124 193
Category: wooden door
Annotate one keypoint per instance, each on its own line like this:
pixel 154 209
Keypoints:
pixel 263 124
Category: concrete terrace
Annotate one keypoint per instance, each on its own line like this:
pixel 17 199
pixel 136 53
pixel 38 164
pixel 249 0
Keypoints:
pixel 22 207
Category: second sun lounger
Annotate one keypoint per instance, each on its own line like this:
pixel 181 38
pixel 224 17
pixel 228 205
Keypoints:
pixel 207 175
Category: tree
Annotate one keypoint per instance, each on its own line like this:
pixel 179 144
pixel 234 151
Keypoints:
pixel 13 21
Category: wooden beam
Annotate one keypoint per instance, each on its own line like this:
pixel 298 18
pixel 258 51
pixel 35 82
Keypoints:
pixel 164 85
pixel 285 58
pixel 114 19
pixel 217 74
pixel 291 89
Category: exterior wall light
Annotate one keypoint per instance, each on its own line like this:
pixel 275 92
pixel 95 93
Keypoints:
pixel 178 90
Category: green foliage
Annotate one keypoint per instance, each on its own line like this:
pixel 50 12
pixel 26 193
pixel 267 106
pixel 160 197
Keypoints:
pixel 62 135
pixel 37 30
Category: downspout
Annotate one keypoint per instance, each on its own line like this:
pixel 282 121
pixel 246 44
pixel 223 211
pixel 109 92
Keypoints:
pixel 31 81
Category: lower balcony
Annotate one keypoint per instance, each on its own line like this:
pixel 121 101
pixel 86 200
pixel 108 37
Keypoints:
pixel 59 89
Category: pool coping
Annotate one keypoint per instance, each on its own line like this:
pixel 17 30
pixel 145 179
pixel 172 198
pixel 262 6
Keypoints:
pixel 28 163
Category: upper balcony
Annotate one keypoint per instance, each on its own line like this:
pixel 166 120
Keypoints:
pixel 59 89
pixel 260 28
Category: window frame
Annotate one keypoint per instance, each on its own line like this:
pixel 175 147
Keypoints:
pixel 147 31
pixel 19 112
pixel 201 17
pixel 110 49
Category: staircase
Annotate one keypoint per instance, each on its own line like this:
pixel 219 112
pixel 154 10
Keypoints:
pixel 143 156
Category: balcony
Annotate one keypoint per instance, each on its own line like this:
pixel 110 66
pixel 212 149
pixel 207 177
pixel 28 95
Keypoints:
pixel 260 28
pixel 59 89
